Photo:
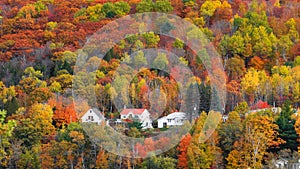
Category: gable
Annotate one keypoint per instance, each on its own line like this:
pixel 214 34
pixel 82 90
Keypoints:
pixel 92 112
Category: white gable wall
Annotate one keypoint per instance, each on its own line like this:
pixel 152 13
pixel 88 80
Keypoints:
pixel 91 116
pixel 146 120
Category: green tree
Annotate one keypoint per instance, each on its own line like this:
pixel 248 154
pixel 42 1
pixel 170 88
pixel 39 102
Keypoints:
pixel 135 124
pixel 286 128
pixel 230 132
pixel 121 8
pixel 161 62
pixel 140 60
pixel 145 6
pixel 236 44
pixel 32 73
pixel 109 10
pixel 205 94
pixel 192 104
pixel 178 44
pixel 151 39
pixel 262 45
pixel 159 163
pixel 6 129
pixel 163 6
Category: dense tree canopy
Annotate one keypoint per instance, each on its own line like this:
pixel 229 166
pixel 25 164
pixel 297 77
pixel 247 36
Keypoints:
pixel 41 40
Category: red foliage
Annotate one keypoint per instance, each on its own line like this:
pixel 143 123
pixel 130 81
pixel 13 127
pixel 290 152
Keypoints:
pixel 92 27
pixel 296 49
pixel 150 145
pixel 260 105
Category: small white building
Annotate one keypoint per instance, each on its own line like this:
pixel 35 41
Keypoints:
pixel 92 116
pixel 225 118
pixel 281 163
pixel 173 119
pixel 141 115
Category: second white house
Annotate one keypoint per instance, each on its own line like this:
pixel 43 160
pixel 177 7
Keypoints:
pixel 173 119
pixel 141 115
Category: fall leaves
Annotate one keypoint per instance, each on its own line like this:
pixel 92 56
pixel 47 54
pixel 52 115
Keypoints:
pixel 259 43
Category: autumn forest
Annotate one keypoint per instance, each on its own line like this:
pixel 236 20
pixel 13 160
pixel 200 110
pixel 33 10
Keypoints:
pixel 258 123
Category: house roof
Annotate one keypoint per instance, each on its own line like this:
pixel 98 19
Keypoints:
pixel 133 111
pixel 96 111
pixel 174 115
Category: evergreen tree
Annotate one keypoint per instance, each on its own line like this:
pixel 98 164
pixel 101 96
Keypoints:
pixel 191 101
pixel 135 124
pixel 286 128
pixel 205 97
pixel 11 106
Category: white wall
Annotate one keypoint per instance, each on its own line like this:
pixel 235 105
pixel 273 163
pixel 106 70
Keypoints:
pixel 161 121
pixel 90 112
pixel 171 120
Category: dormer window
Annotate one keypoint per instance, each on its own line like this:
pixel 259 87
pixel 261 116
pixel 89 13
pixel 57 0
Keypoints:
pixel 90 111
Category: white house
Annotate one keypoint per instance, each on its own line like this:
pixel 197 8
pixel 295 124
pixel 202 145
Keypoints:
pixel 275 110
pixel 92 116
pixel 173 119
pixel 281 163
pixel 141 115
pixel 225 118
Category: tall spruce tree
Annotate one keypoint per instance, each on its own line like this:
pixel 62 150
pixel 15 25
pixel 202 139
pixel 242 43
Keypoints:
pixel 191 101
pixel 286 128
pixel 205 97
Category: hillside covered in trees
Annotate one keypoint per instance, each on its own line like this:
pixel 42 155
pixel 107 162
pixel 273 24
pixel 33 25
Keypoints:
pixel 258 41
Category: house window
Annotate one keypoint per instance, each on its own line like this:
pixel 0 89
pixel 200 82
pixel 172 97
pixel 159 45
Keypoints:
pixel 146 123
pixel 169 120
pixel 136 116
pixel 91 118
pixel 164 125
pixel 90 111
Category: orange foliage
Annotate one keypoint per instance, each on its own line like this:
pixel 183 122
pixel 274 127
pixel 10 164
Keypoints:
pixel 64 113
pixel 257 63
pixel 182 148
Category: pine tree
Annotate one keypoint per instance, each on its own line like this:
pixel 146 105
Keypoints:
pixel 192 101
pixel 205 97
pixel 286 128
